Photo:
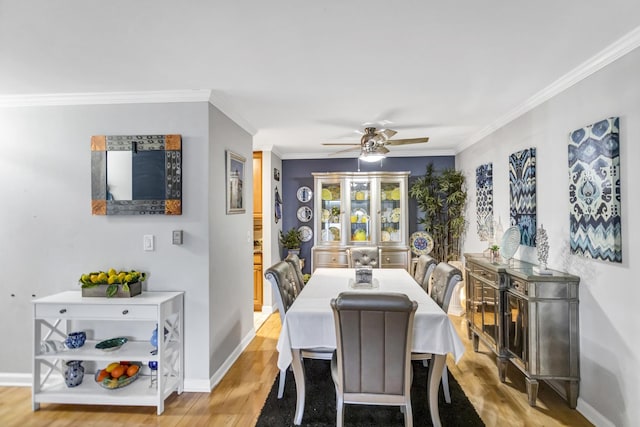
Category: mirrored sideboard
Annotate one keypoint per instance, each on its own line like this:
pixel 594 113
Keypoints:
pixel 528 319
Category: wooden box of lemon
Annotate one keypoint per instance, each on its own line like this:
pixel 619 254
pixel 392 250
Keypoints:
pixel 118 284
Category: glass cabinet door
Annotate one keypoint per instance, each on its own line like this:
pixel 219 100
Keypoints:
pixel 330 218
pixel 360 224
pixel 391 214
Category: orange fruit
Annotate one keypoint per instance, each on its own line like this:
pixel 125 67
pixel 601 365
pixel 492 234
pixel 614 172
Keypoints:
pixel 102 375
pixel 132 370
pixel 118 371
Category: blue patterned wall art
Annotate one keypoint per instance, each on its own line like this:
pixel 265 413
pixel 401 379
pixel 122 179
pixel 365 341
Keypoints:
pixel 522 186
pixel 484 200
pixel 594 191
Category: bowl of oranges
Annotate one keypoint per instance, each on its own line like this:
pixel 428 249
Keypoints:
pixel 118 374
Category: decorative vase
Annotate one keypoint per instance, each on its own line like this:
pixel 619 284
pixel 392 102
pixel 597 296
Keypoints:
pixel 74 374
pixel 75 339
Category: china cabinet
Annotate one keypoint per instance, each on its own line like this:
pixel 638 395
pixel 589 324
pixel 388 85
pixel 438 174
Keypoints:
pixel 360 209
pixel 528 319
pixel 55 315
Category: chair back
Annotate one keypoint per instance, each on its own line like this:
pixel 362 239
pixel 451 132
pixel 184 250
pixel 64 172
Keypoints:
pixel 294 260
pixel 363 256
pixel 373 337
pixel 284 285
pixel 424 269
pixel 445 279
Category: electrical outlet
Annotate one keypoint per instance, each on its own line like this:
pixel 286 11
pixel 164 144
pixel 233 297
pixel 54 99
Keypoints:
pixel 177 237
pixel 147 242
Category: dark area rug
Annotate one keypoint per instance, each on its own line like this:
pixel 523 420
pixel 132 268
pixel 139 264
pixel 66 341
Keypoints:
pixel 320 407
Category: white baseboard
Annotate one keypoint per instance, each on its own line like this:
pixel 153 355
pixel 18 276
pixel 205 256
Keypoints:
pixel 15 380
pixel 221 372
pixel 590 413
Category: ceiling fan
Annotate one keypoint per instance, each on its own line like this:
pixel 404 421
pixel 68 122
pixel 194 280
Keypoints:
pixel 373 143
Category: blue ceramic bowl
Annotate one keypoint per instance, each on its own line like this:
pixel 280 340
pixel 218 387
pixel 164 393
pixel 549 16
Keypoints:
pixel 75 339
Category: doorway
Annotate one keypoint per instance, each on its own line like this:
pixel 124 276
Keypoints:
pixel 257 232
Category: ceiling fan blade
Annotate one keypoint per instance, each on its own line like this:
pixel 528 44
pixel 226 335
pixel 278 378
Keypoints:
pixel 342 143
pixel 406 141
pixel 386 133
pixel 346 151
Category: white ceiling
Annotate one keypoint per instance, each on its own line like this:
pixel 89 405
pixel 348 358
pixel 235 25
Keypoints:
pixel 302 72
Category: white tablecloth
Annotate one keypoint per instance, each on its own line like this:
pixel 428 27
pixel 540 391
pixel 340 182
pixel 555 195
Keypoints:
pixel 309 321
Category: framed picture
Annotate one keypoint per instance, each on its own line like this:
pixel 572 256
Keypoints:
pixel 276 174
pixel 234 175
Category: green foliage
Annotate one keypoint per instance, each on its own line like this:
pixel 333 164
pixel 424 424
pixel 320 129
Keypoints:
pixel 442 198
pixel 291 239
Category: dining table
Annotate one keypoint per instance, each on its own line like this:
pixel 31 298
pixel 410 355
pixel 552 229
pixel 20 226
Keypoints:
pixel 309 324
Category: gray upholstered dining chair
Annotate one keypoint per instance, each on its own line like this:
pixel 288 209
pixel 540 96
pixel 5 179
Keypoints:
pixel 425 266
pixel 284 285
pixel 364 255
pixel 445 279
pixel 372 362
pixel 294 260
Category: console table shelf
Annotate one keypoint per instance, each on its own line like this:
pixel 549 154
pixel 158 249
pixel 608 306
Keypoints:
pixel 53 316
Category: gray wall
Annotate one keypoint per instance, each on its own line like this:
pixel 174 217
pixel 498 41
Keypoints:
pixel 609 292
pixel 48 236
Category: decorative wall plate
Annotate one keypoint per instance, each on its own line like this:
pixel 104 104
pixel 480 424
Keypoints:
pixel 510 242
pixel 305 213
pixel 304 194
pixel 421 243
pixel 305 233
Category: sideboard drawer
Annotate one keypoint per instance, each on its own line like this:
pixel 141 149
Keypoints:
pixel 395 259
pixel 330 259
pixel 97 311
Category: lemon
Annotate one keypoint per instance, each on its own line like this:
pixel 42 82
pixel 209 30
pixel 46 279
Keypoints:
pixel 112 279
pixel 111 366
pixel 359 195
pixel 112 272
pixel 326 194
pixel 102 277
pixel 94 278
pixel 354 218
pixel 122 275
pixel 128 278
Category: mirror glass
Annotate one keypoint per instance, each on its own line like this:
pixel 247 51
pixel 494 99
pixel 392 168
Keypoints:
pixel 136 175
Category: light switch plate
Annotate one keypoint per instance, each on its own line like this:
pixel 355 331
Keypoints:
pixel 177 237
pixel 147 242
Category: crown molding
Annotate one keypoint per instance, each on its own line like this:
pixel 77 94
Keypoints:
pixel 611 53
pixel 102 98
pixel 222 103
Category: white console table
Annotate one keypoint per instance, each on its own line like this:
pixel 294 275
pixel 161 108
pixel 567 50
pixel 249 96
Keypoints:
pixel 52 318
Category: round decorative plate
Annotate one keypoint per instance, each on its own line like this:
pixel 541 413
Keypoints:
pixel 305 213
pixel 304 194
pixel 111 344
pixel 510 242
pixel 305 233
pixel 421 243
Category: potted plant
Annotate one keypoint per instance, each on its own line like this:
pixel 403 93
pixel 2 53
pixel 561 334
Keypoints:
pixel 442 197
pixel 291 240
pixel 495 252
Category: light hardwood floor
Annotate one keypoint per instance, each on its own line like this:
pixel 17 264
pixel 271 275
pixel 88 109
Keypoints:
pixel 237 400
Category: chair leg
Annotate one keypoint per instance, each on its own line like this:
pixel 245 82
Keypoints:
pixel 445 384
pixel 339 410
pixel 283 376
pixel 408 415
